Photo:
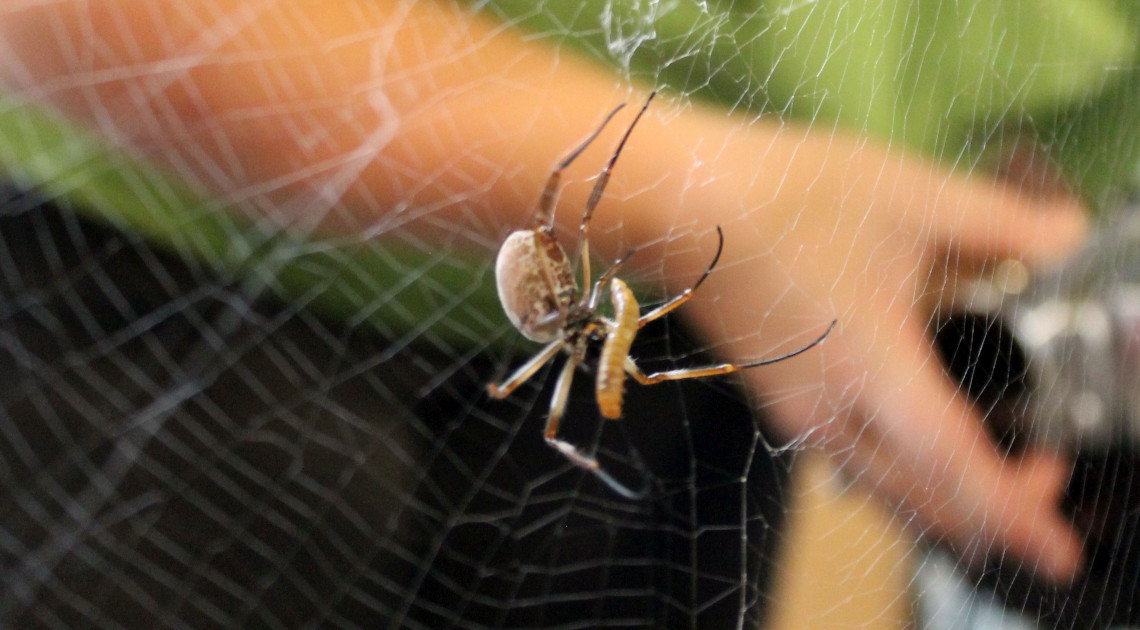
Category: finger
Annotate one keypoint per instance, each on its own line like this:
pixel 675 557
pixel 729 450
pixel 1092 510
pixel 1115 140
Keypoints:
pixel 989 219
pixel 1029 528
pixel 925 449
pixel 980 216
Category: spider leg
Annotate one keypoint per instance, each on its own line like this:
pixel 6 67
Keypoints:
pixel 684 296
pixel 713 370
pixel 545 216
pixel 558 404
pixel 595 295
pixel 568 450
pixel 525 371
pixel 596 196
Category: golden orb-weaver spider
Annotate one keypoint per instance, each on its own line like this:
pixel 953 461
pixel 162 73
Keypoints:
pixel 540 297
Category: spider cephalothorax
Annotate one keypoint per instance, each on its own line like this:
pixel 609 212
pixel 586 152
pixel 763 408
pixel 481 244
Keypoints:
pixel 543 301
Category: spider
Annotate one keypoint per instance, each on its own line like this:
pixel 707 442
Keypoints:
pixel 541 299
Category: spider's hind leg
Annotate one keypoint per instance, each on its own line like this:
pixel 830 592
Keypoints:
pixel 568 450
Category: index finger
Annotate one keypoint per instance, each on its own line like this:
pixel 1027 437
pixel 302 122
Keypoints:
pixel 986 218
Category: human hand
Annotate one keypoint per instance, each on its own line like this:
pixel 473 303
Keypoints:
pixel 878 240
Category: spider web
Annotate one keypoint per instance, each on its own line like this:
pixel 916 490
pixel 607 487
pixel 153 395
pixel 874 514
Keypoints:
pixel 217 410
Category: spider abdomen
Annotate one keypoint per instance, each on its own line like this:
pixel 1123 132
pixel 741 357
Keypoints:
pixel 536 285
pixel 615 349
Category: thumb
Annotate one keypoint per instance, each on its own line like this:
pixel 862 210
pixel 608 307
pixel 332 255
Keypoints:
pixel 1052 543
pixel 988 503
pixel 927 450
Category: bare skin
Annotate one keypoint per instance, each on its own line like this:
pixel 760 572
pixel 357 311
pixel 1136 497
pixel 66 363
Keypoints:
pixel 426 104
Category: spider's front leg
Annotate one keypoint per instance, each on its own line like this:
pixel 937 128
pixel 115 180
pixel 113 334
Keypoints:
pixel 549 198
pixel 596 196
pixel 681 374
